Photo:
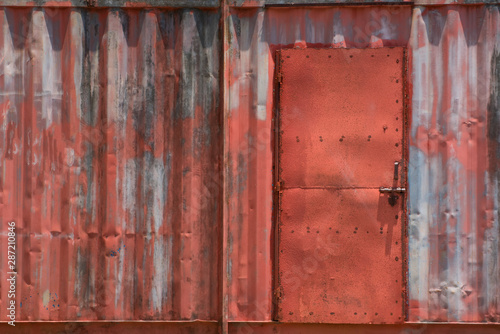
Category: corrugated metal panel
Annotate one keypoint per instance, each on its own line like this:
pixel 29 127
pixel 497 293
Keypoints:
pixel 454 170
pixel 262 3
pixel 110 162
pixel 112 3
pixel 97 103
pixel 254 36
pixel 340 239
pixel 454 246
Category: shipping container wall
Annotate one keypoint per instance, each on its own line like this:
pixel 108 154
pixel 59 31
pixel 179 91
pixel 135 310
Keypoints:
pixel 110 141
pixel 135 143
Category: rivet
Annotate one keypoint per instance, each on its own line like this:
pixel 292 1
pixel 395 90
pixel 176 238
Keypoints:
pixel 332 313
pixel 397 60
pixel 376 313
pixel 341 139
pixel 311 313
pixel 329 56
pixel 320 138
pixel 355 313
pixel 351 56
pixel 292 231
pixel 397 118
pixel 397 144
pixel 397 81
pixel 317 231
pixel 355 228
pixel 397 258
pixel 397 101
pixel 396 216
pixel 307 56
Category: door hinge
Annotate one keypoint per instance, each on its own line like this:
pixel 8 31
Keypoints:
pixel 280 78
pixel 277 187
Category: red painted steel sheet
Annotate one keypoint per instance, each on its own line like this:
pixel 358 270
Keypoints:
pixel 454 272
pixel 253 37
pixel 110 163
pixel 287 328
pixel 341 131
pixel 342 114
pixel 454 262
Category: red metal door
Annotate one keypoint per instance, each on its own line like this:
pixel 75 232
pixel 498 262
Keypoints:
pixel 340 254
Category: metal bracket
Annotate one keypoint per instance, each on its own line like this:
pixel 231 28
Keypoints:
pixel 392 190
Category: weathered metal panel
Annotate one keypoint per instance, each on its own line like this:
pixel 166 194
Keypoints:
pixel 76 155
pixel 453 177
pixel 341 126
pixel 454 171
pixel 112 3
pixel 253 37
pixel 109 166
pixel 297 328
pixel 287 3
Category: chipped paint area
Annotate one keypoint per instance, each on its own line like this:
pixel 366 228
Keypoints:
pixel 109 144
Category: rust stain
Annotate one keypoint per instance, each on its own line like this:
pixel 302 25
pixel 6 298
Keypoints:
pixel 110 149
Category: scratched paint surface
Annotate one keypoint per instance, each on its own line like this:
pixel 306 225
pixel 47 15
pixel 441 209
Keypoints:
pixel 255 35
pixel 110 150
pixel 90 196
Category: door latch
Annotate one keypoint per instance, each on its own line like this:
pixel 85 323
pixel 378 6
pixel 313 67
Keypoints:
pixel 393 190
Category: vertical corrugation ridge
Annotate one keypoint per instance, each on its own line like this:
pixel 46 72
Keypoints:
pixel 458 49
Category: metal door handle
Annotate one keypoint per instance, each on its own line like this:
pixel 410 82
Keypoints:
pixel 396 170
pixel 392 190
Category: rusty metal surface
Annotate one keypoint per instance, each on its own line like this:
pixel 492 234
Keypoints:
pixel 112 3
pixel 273 328
pixel 296 3
pixel 285 3
pixel 341 119
pixel 454 165
pixel 110 162
pixel 170 327
pixel 90 195
pixel 453 171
